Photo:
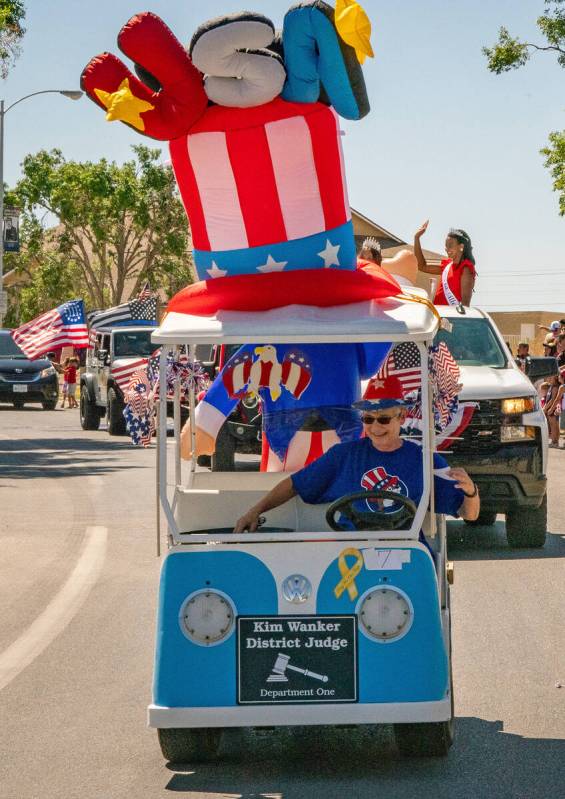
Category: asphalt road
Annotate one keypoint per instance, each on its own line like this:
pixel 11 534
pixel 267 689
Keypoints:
pixel 78 581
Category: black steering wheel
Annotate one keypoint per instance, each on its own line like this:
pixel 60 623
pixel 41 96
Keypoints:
pixel 371 519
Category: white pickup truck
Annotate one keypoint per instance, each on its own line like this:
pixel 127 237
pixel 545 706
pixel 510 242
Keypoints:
pixel 504 447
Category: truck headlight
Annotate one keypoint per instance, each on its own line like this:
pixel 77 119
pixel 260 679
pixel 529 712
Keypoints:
pixel 46 372
pixel 385 614
pixel 207 617
pixel 516 432
pixel 516 405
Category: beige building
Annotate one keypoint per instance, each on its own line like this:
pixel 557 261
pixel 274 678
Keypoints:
pixel 518 326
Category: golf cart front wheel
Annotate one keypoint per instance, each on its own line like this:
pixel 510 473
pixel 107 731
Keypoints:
pixel 429 739
pixel 180 745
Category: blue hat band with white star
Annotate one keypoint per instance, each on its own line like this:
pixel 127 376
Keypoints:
pixel 333 249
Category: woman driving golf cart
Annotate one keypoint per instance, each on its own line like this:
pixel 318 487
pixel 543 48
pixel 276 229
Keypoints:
pixel 381 463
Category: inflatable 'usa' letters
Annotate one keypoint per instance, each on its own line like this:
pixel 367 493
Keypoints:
pixel 251 117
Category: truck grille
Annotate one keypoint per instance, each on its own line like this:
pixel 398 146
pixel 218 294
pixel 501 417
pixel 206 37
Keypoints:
pixel 483 433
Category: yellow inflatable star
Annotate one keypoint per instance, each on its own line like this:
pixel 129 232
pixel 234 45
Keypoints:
pixel 124 105
pixel 354 27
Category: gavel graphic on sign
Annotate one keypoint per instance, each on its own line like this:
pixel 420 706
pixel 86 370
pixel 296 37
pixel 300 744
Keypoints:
pixel 282 664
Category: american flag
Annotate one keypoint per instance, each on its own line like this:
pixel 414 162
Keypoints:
pixel 123 371
pixel 63 326
pixel 137 310
pixel 403 363
pixel 145 293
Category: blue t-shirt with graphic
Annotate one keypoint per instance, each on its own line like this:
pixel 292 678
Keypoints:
pixel 357 465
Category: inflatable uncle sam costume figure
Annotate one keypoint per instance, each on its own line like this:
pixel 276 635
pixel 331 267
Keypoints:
pixel 251 117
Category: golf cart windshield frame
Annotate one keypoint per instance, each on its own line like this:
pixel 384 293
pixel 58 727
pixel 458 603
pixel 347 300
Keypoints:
pixel 207 330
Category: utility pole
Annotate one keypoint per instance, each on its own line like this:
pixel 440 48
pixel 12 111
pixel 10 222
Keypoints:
pixel 72 94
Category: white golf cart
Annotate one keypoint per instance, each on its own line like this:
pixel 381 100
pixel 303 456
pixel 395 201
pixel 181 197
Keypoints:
pixel 300 623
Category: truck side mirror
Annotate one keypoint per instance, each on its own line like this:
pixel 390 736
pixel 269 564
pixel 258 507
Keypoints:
pixel 102 356
pixel 541 367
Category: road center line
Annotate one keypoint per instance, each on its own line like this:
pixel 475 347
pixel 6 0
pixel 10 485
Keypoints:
pixel 60 611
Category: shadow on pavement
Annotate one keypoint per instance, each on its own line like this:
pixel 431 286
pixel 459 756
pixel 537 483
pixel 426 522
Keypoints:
pixel 26 458
pixel 363 763
pixel 466 542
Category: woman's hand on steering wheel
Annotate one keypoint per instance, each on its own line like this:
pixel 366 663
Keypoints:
pixel 377 519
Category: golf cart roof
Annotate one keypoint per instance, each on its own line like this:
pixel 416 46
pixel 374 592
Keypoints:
pixel 391 319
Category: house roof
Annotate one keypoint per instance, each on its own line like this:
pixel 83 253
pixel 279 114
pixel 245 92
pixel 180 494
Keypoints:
pixel 390 243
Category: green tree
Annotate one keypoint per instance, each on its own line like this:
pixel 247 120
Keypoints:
pixel 12 15
pixel 509 52
pixel 119 226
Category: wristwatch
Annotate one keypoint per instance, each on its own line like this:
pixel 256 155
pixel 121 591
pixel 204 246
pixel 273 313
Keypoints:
pixel 475 492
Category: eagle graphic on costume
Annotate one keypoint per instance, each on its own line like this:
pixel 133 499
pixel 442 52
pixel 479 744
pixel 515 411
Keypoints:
pixel 245 376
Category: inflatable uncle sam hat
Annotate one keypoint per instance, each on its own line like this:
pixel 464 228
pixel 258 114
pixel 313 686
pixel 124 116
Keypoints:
pixel 252 122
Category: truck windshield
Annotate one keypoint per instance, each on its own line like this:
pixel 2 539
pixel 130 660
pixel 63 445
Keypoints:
pixel 133 343
pixel 472 342
pixel 8 347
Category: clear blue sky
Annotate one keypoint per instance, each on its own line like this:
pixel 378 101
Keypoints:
pixel 445 139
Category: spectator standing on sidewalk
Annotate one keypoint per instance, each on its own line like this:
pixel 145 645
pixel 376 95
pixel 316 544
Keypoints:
pixel 457 270
pixel 523 357
pixel 549 346
pixel 560 345
pixel 555 328
pixel 71 380
pixel 552 400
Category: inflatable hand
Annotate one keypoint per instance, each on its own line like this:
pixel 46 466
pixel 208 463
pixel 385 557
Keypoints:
pixel 168 101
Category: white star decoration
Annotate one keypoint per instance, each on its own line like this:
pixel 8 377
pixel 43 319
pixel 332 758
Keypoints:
pixel 272 265
pixel 215 271
pixel 330 254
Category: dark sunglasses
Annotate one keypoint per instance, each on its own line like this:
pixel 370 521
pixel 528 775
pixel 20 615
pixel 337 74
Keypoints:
pixel 368 418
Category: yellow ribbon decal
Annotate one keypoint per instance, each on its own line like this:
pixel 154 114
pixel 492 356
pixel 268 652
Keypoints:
pixel 348 573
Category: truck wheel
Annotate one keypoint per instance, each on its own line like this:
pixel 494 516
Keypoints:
pixel 115 416
pixel 527 527
pixel 180 745
pixel 89 416
pixel 486 518
pixel 49 405
pixel 223 459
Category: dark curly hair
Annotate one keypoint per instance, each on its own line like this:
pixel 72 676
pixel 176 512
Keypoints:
pixel 463 238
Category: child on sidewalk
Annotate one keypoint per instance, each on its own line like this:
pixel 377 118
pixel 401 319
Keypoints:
pixel 65 388
pixel 70 382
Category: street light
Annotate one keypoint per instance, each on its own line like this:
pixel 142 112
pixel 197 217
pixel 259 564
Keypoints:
pixel 71 94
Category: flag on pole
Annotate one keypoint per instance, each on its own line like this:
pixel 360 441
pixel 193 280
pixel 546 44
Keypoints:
pixel 122 371
pixel 140 311
pixel 145 293
pixel 63 326
pixel 403 363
